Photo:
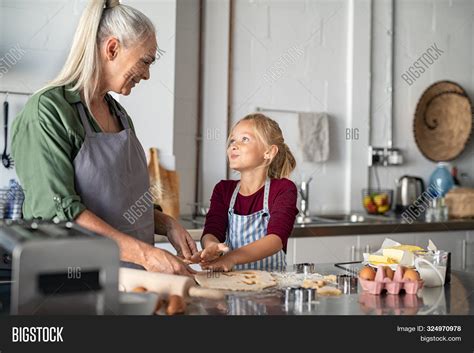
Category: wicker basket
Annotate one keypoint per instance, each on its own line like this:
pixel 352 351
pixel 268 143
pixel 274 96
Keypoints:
pixel 443 121
pixel 460 202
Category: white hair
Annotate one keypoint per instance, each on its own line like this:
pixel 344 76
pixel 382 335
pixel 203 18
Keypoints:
pixel 101 19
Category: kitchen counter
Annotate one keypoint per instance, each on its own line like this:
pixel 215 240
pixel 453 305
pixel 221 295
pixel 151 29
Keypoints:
pixel 386 226
pixel 382 225
pixel 456 298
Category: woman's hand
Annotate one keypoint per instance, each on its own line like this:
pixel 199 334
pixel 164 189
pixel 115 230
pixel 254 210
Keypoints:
pixel 159 260
pixel 181 240
pixel 224 263
pixel 210 253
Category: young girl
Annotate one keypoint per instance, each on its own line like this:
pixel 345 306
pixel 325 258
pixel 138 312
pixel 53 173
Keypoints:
pixel 250 220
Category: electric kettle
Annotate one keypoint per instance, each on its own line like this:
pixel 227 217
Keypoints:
pixel 408 190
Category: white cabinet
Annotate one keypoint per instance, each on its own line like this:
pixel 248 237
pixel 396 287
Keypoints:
pixel 454 242
pixel 350 248
pixel 371 243
pixel 321 249
pixel 469 251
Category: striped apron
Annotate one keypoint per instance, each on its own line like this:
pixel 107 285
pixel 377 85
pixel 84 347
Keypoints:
pixel 243 230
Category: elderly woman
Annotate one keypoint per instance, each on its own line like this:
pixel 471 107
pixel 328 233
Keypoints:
pixel 75 147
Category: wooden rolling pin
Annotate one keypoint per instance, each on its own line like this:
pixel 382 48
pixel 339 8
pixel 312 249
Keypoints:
pixel 166 284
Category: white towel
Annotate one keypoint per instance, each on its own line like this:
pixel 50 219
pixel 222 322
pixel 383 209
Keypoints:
pixel 314 136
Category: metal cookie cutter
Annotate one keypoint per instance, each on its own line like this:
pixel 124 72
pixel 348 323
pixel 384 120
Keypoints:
pixel 299 299
pixel 347 284
pixel 306 268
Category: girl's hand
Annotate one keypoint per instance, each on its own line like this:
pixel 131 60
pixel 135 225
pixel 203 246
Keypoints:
pixel 224 263
pixel 213 252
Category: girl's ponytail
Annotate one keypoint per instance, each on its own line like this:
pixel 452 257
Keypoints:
pixel 283 163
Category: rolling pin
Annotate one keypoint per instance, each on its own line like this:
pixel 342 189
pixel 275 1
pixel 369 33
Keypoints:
pixel 163 283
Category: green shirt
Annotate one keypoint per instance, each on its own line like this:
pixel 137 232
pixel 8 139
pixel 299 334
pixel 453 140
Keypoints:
pixel 46 137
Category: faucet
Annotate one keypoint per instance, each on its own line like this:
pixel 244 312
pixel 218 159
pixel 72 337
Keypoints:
pixel 303 190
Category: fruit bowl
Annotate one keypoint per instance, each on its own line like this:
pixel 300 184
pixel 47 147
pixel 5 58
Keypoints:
pixel 377 201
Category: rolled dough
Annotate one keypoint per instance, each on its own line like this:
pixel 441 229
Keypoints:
pixel 247 280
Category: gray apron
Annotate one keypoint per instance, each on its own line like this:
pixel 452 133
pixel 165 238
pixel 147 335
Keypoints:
pixel 111 176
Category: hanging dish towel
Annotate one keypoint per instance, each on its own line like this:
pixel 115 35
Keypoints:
pixel 314 136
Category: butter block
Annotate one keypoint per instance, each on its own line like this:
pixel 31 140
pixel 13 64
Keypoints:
pixel 402 254
pixel 381 259
pixel 395 254
pixel 411 248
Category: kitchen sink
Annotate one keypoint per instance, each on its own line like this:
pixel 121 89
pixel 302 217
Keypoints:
pixel 339 218
pixel 343 218
pixel 357 218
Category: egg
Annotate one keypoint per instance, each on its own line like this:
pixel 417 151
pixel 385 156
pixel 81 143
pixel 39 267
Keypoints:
pixel 176 305
pixel 139 289
pixel 367 273
pixel 411 275
pixel 388 272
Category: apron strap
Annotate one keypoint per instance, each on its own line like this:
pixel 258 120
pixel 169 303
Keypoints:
pixel 117 112
pixel 266 192
pixel 87 125
pixel 234 197
pixel 85 121
pixel 123 119
pixel 265 195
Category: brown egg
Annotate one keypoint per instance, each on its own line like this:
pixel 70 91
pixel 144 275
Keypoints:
pixel 139 289
pixel 367 273
pixel 389 272
pixel 411 275
pixel 176 305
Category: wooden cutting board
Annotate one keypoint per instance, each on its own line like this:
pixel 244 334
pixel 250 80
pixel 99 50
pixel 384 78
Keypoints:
pixel 164 185
pixel 247 280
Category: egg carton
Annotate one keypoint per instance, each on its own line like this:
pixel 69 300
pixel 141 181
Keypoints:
pixel 392 286
pixel 407 304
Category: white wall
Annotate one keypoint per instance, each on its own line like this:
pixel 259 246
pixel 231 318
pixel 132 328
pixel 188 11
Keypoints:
pixel 28 25
pixel 163 109
pixel 186 98
pixel 331 75
pixel 151 104
pixel 418 25
pixel 346 50
pixel 214 86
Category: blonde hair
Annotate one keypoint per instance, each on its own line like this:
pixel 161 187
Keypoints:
pixel 269 133
pixel 100 19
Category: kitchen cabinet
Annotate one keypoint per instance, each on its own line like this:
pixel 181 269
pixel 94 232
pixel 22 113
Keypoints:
pixel 350 248
pixel 470 252
pixel 321 249
pixel 454 242
pixel 371 243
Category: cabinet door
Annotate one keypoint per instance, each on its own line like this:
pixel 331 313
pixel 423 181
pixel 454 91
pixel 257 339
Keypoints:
pixel 371 243
pixel 322 249
pixel 469 251
pixel 453 242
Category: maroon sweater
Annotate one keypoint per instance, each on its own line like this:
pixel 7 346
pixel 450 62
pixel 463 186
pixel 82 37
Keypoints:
pixel 281 202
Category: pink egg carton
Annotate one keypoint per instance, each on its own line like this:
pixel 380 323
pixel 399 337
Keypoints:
pixel 382 282
pixel 391 304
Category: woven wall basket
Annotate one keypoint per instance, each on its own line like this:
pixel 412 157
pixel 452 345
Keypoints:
pixel 443 121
